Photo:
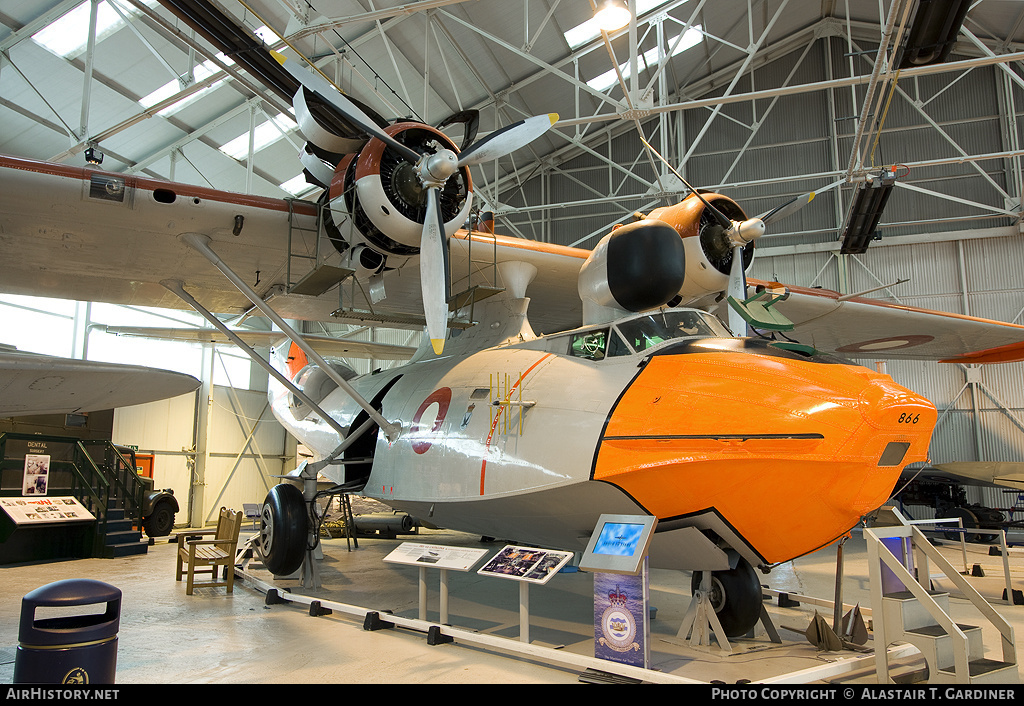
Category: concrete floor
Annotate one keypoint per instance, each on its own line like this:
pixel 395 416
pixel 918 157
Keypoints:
pixel 216 637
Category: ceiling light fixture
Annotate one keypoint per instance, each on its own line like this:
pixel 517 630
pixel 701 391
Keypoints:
pixel 612 15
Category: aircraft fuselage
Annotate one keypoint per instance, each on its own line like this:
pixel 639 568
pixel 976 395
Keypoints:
pixel 776 452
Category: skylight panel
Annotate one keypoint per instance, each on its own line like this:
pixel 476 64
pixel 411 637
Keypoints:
pixel 690 38
pixel 68 36
pixel 589 31
pixel 265 134
pixel 200 72
pixel 297 186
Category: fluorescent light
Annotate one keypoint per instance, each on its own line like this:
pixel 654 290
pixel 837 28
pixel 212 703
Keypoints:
pixel 691 37
pixel 265 134
pixel 200 73
pixel 68 36
pixel 172 87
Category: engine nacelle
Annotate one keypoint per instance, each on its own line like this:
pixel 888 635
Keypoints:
pixel 636 267
pixel 708 252
pixel 380 192
pixel 678 255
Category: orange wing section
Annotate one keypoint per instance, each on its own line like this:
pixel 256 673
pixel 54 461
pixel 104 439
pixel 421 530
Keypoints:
pixel 745 434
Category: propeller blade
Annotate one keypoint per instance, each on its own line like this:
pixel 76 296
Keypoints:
pixel 319 85
pixel 723 220
pixel 433 272
pixel 737 290
pixel 507 139
pixel 787 209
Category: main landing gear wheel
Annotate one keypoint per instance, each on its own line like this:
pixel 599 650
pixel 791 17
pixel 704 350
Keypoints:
pixel 735 596
pixel 283 529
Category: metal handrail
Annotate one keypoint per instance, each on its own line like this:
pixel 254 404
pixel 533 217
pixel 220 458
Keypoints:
pixel 926 552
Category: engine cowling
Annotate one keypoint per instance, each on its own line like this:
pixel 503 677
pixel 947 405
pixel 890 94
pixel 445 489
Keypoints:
pixel 677 255
pixel 379 190
pixel 636 267
pixel 708 252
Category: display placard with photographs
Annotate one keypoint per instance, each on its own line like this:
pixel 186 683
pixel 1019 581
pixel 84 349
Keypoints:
pixel 37 474
pixel 38 511
pixel 525 564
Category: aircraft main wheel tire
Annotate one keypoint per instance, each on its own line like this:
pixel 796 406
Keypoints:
pixel 735 596
pixel 160 521
pixel 283 529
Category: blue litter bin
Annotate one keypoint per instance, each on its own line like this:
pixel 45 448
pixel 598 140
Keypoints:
pixel 73 646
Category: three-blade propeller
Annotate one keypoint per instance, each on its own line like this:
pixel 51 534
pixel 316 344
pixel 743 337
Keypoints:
pixel 739 234
pixel 433 171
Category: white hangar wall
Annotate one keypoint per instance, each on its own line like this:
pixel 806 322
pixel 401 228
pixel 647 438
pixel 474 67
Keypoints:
pixel 245 447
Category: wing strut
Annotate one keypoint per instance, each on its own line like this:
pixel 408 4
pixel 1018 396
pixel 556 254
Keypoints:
pixel 178 288
pixel 201 243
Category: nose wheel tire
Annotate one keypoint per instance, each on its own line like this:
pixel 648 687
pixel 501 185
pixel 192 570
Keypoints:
pixel 283 529
pixel 735 596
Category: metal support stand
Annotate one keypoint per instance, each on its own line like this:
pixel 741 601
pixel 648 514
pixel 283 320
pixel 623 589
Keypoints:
pixel 524 612
pixel 310 567
pixel 700 621
pixel 443 616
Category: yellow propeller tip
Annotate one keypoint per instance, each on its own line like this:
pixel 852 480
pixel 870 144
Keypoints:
pixel 438 344
pixel 278 57
pixel 553 117
pixel 811 197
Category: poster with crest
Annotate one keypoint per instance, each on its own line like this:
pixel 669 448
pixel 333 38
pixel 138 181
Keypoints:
pixel 621 623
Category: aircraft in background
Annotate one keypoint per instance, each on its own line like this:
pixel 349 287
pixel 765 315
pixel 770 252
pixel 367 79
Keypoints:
pixel 42 384
pixel 571 383
pixel 941 487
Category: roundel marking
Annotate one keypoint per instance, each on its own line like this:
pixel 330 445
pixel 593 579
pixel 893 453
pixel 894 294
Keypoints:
pixel 887 344
pixel 442 397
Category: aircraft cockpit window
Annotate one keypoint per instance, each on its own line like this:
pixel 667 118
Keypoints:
pixel 647 331
pixel 616 346
pixel 589 344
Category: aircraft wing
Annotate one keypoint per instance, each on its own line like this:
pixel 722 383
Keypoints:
pixel 40 384
pixel 866 328
pixel 83 234
pixel 78 233
pixel 1004 474
pixel 324 345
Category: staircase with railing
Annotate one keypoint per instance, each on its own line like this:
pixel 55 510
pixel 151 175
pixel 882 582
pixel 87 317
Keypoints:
pixel 96 473
pixel 907 610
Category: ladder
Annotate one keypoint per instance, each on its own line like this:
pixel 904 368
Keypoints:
pixel 907 610
pixel 316 277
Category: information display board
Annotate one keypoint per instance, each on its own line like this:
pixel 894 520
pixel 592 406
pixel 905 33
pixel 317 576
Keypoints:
pixel 525 564
pixel 436 556
pixel 619 544
pixel 42 511
pixel 622 626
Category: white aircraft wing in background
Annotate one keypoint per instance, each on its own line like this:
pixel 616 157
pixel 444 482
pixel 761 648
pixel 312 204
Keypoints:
pixel 40 384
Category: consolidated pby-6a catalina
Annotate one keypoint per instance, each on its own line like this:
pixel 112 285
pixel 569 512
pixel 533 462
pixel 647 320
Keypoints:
pixel 587 383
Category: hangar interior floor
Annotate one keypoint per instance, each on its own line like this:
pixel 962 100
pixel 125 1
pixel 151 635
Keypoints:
pixel 215 637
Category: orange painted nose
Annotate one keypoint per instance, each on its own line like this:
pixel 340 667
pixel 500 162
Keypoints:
pixel 788 451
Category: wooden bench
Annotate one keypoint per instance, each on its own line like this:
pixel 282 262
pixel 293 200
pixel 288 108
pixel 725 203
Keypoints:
pixel 200 556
